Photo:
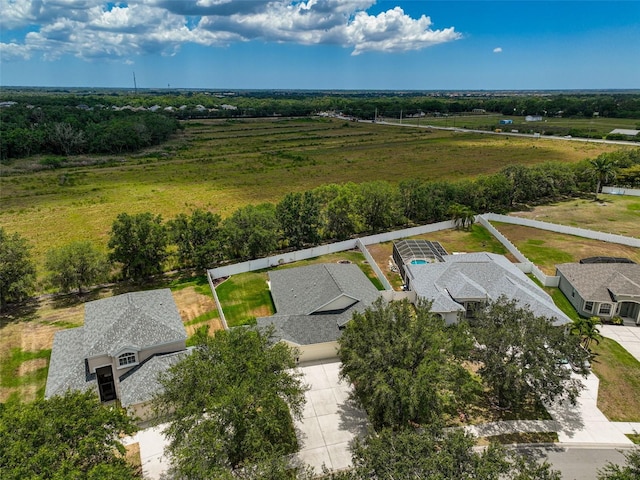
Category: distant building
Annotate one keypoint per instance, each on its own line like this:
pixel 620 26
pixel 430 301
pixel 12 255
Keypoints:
pixel 625 131
pixel 533 118
pixel 479 110
pixel 506 121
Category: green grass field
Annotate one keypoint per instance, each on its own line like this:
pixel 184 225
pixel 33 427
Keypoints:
pixel 221 165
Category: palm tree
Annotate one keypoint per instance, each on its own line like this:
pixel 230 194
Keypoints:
pixel 603 168
pixel 587 329
pixel 462 216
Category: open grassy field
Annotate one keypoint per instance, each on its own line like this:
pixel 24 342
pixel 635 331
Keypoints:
pixel 221 165
pixel 547 249
pixel 613 214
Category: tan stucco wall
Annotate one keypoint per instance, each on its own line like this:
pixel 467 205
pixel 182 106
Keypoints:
pixel 317 351
pixel 340 303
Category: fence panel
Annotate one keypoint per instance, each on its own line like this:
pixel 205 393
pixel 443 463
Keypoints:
pixel 621 191
pixel 554 227
pixel 374 265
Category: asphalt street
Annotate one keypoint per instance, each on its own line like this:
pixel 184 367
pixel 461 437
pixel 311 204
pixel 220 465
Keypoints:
pixel 577 463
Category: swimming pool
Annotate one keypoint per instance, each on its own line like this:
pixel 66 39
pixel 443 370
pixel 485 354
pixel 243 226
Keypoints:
pixel 418 262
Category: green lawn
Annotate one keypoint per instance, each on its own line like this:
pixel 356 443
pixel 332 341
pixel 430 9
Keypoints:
pixel 244 297
pixel 619 374
pixel 23 369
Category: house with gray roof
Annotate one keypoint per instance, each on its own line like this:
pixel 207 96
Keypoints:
pixel 125 342
pixel 313 304
pixel 605 290
pixel 461 284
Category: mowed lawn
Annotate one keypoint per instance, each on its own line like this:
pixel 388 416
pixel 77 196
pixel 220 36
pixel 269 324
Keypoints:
pixel 619 374
pixel 221 165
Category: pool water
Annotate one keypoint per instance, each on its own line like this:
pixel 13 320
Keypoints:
pixel 418 262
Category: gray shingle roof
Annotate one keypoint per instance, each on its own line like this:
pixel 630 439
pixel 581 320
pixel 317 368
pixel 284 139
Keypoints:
pixel 67 370
pixel 138 319
pixel 597 282
pixel 299 292
pixel 479 277
pixel 142 383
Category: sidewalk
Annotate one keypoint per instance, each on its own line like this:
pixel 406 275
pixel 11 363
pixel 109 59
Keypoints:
pixel 582 424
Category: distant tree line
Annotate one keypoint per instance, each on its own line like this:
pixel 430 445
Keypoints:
pixel 27 129
pixel 143 245
pixel 67 124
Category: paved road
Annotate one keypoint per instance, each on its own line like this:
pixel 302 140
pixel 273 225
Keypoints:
pixel 576 463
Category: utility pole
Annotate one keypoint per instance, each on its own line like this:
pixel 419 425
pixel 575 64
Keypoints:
pixel 135 85
pixel 400 116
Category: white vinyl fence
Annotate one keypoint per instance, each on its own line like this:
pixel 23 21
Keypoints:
pixel 621 191
pixel 554 227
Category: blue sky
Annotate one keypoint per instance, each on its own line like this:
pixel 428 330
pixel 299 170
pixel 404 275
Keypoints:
pixel 321 44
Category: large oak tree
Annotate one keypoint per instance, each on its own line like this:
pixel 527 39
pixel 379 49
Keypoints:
pixel 230 404
pixel 72 436
pixel 403 363
pixel 525 357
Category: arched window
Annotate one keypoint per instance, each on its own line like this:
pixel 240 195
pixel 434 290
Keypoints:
pixel 126 359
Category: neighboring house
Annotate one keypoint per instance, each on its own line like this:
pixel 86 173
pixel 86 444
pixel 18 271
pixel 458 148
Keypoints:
pixel 314 303
pixel 463 283
pixel 125 342
pixel 605 290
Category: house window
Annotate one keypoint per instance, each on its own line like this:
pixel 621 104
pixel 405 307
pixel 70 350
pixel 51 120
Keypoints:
pixel 127 359
pixel 588 306
pixel 605 309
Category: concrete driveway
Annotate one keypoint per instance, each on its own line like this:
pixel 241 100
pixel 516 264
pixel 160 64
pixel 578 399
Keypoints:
pixel 628 337
pixel 329 420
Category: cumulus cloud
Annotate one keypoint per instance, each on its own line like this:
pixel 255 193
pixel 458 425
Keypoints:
pixel 94 28
pixel 497 50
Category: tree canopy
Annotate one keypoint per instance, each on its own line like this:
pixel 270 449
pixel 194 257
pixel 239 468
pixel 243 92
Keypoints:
pixel 434 454
pixel 524 357
pixel 198 238
pixel 75 265
pixel 17 270
pixel 139 243
pixel 402 363
pixel 228 404
pixel 70 436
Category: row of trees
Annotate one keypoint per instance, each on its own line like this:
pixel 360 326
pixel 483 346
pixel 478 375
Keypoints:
pixel 361 104
pixel 66 130
pixel 141 243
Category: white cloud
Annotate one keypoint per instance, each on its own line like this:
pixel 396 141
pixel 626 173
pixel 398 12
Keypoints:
pixel 95 29
pixel 497 50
